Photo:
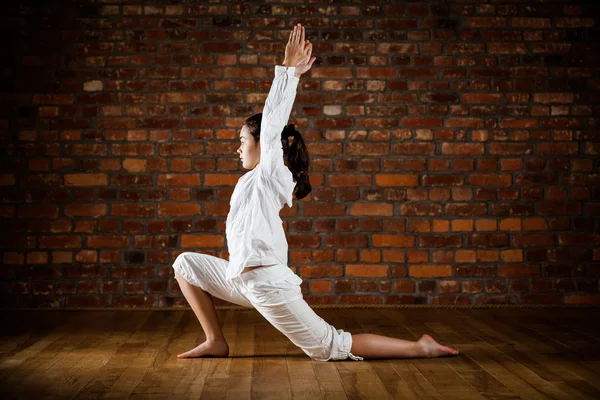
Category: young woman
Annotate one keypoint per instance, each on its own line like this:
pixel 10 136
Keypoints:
pixel 257 274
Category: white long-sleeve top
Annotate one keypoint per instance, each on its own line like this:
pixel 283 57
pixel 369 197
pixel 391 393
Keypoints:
pixel 254 229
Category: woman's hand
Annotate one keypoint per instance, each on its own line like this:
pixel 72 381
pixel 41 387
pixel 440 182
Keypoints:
pixel 298 52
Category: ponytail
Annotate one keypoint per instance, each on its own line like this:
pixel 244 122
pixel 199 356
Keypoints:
pixel 297 159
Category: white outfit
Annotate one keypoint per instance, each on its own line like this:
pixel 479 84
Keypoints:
pixel 254 229
pixel 255 236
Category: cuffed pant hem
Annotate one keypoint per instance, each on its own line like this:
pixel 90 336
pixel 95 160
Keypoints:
pixel 343 352
pixel 189 277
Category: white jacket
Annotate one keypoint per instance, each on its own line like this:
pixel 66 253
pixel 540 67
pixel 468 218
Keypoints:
pixel 254 229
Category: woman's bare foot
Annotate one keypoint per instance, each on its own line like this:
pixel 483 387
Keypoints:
pixel 431 348
pixel 208 348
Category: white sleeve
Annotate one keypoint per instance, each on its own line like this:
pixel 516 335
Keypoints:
pixel 276 113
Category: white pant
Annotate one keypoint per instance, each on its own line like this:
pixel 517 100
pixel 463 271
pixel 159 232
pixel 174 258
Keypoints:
pixel 274 291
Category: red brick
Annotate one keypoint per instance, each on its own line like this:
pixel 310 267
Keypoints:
pixel 397 179
pixel 508 48
pixel 430 271
pixel 456 122
pixel 335 73
pixel 176 209
pixel 321 271
pixel 519 270
pixel 415 122
pixel 345 285
pixel 472 286
pixel 575 22
pixel 582 298
pixel 202 241
pixel 132 210
pixel 367 149
pixel 85 180
pixel 449 286
pixel 60 242
pixel 350 180
pixel 63 98
pixel 486 22
pixel 346 241
pixel 320 286
pixel 369 285
pixel 482 98
pixel 539 23
pixel 303 241
pixel 370 255
pixel 372 209
pixel 316 209
pixel 367 270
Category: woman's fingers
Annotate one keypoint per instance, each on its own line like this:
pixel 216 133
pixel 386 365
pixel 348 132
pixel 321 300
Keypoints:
pixel 308 51
pixel 297 36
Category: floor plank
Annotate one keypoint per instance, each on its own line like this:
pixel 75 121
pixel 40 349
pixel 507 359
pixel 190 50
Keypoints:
pixel 239 385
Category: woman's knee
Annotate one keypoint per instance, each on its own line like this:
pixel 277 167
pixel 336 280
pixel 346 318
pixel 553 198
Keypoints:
pixel 183 269
pixel 184 261
pixel 183 258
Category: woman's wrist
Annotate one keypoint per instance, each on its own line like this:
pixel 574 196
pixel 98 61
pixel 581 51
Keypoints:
pixel 291 63
pixel 296 74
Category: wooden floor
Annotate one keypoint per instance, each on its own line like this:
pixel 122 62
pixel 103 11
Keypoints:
pixel 551 353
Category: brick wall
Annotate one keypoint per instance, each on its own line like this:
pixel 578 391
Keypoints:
pixel 454 148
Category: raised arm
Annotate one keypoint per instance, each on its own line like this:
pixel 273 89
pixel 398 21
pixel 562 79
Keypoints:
pixel 280 100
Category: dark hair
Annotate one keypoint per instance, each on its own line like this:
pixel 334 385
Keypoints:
pixel 295 154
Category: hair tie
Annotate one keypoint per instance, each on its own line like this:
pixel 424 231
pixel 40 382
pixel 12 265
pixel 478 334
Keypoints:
pixel 290 130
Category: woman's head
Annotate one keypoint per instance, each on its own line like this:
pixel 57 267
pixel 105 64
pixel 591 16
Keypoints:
pixel 295 154
pixel 249 149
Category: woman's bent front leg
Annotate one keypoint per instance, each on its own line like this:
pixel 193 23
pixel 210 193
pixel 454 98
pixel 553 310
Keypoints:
pixel 204 308
pixel 201 276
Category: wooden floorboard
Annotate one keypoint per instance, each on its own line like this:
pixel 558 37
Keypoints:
pixel 506 353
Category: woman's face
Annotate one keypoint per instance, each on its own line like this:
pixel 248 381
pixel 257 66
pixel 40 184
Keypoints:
pixel 249 150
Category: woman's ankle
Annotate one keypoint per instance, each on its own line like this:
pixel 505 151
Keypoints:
pixel 216 339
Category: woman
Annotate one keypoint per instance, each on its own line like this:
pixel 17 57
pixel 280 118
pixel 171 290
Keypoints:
pixel 257 274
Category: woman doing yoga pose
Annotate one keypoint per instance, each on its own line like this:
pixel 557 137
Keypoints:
pixel 257 274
